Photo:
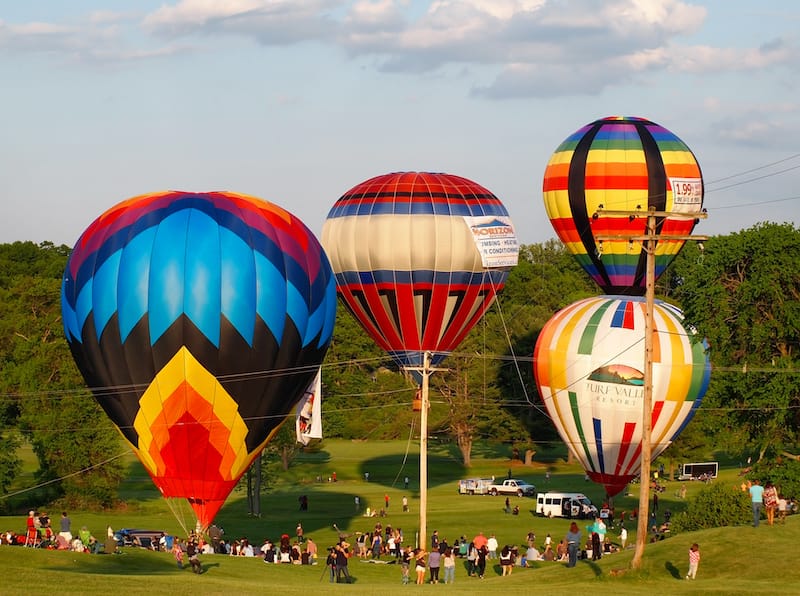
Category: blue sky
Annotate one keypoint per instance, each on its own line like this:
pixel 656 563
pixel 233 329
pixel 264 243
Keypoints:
pixel 297 101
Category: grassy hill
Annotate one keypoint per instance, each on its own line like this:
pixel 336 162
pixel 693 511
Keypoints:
pixel 734 560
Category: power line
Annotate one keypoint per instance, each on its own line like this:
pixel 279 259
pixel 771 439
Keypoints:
pixel 764 202
pixel 756 169
pixel 755 179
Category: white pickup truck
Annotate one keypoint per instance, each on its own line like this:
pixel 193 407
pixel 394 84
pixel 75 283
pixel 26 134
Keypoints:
pixel 512 486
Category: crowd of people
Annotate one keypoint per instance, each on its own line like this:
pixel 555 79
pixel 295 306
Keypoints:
pixel 40 533
pixel 380 543
pixel 432 563
pixel 438 562
pixel 768 499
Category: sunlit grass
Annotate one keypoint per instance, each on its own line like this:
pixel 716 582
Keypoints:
pixel 726 552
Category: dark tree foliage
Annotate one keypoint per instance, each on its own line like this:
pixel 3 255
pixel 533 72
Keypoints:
pixel 487 391
pixel 743 295
pixel 364 393
pixel 44 395
pixel 547 279
pixel 782 471
pixel 715 506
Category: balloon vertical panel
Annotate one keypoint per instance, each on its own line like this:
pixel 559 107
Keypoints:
pixel 588 364
pixel 622 164
pixel 198 319
pixel 411 254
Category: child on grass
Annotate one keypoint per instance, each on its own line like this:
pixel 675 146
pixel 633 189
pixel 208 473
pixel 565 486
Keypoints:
pixel 177 551
pixel 694 561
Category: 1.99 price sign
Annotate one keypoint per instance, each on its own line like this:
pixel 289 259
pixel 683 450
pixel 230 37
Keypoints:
pixel 687 191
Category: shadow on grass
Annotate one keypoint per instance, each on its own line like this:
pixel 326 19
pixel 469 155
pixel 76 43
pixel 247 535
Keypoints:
pixel 206 568
pixel 595 568
pixel 384 470
pixel 672 570
pixel 120 566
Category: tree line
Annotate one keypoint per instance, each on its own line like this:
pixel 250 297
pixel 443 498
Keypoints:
pixel 742 293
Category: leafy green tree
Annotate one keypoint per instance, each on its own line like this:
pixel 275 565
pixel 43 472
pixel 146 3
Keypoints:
pixel 783 472
pixel 691 445
pixel 46 400
pixel 364 393
pixel 743 295
pixel 276 457
pixel 486 394
pixel 473 406
pixel 718 504
pixel 547 279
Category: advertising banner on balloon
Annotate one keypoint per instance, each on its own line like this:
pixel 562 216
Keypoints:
pixel 589 362
pixel 308 420
pixel 495 239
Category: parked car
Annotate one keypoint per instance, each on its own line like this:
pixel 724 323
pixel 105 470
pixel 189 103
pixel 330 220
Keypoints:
pixel 141 538
pixel 512 486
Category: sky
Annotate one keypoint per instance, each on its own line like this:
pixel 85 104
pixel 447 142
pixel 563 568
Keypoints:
pixel 297 101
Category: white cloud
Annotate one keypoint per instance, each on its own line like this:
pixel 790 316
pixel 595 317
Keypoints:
pixel 771 125
pixel 531 47
pixel 100 39
pixel 191 14
pixel 705 59
pixel 655 15
pixel 271 22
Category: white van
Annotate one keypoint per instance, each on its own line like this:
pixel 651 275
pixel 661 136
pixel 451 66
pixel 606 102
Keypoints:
pixel 571 505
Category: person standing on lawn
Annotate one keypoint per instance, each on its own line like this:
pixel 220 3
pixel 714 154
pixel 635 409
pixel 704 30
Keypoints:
pixel 694 561
pixel 573 540
pixel 757 500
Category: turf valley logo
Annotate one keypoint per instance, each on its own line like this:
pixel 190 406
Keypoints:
pixel 616 385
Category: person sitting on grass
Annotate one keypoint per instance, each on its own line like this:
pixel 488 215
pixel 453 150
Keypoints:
pixel 532 555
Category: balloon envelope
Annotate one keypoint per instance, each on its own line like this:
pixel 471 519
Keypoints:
pixel 198 320
pixel 624 164
pixel 418 259
pixel 589 362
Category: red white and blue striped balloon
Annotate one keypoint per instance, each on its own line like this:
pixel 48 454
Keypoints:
pixel 407 263
pixel 588 364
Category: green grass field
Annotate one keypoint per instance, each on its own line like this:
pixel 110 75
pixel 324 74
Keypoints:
pixel 741 560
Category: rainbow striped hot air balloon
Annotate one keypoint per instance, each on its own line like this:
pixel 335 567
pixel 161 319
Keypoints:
pixel 198 320
pixel 624 164
pixel 588 367
pixel 418 259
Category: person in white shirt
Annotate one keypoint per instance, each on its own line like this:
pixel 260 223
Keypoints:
pixel 491 544
pixel 531 555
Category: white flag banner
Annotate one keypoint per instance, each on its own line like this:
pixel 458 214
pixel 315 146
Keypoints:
pixel 308 423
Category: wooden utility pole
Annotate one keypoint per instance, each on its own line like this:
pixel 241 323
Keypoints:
pixel 423 452
pixel 425 371
pixel 649 241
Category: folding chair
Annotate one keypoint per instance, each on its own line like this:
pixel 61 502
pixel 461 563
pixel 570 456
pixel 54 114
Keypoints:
pixel 32 538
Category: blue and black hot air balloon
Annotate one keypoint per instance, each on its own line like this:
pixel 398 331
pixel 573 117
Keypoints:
pixel 198 320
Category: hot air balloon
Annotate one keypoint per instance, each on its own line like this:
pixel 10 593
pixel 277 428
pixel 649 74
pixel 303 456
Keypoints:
pixel 418 259
pixel 622 164
pixel 588 364
pixel 198 320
